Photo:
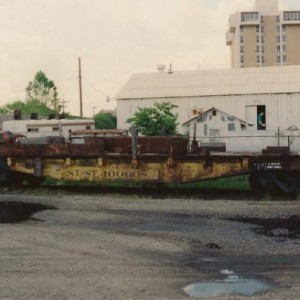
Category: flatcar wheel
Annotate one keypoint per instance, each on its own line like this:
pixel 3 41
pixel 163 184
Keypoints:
pixel 34 181
pixel 16 180
pixel 259 183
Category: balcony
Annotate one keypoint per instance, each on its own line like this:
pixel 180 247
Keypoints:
pixel 291 17
pixel 250 18
pixel 229 38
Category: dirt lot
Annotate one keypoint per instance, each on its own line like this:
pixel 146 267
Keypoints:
pixel 104 247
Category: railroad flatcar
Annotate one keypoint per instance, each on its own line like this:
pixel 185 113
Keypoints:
pixel 145 159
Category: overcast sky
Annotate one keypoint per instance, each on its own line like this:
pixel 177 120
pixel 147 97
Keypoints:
pixel 114 39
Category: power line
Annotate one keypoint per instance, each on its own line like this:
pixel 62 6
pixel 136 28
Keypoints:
pixel 67 79
pixel 92 86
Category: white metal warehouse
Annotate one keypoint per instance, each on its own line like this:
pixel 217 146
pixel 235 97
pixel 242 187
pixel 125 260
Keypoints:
pixel 243 93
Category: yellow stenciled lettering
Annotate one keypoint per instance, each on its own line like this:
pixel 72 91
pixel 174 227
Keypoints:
pixel 125 174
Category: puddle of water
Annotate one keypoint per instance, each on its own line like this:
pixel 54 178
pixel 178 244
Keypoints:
pixel 14 212
pixel 286 227
pixel 232 285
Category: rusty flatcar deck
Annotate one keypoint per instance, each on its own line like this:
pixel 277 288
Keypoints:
pixel 154 159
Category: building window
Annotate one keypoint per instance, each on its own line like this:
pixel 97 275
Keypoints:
pixel 257 48
pixel 278 48
pixel 262 49
pixel 278 59
pixel 278 28
pixel 284 38
pixel 242 39
pixel 205 129
pixel 32 129
pixel 261 117
pixel 262 28
pixel 257 39
pixel 257 58
pixel 261 19
pixel 257 28
pixel 55 128
pixel 283 28
pixel 284 58
pixel 249 17
pixel 241 28
pixel 278 38
pixel 291 16
pixel 284 48
pixel 231 127
pixel 242 49
pixel 262 59
pixel 277 18
pixel 242 59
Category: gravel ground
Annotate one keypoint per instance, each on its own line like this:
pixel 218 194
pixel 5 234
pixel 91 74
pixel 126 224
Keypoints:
pixel 104 247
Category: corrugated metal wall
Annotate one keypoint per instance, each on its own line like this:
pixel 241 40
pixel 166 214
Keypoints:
pixel 282 110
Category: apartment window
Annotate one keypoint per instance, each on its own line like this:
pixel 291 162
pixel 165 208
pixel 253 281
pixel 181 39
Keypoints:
pixel 242 49
pixel 257 58
pixel 257 39
pixel 284 58
pixel 278 39
pixel 241 28
pixel 278 49
pixel 261 19
pixel 242 59
pixel 262 59
pixel 262 49
pixel 249 16
pixel 262 28
pixel 257 28
pixel 278 28
pixel 283 28
pixel 284 38
pixel 242 39
pixel 284 48
pixel 277 18
pixel 257 48
pixel 262 38
pixel 278 59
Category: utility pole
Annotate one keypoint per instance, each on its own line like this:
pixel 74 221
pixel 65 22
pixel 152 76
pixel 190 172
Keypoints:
pixel 63 104
pixel 80 87
pixel 94 107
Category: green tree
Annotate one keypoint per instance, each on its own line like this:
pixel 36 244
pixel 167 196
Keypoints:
pixel 26 108
pixel 44 91
pixel 105 121
pixel 157 120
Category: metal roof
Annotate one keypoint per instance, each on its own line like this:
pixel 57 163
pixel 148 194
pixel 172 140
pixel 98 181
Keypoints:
pixel 239 81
